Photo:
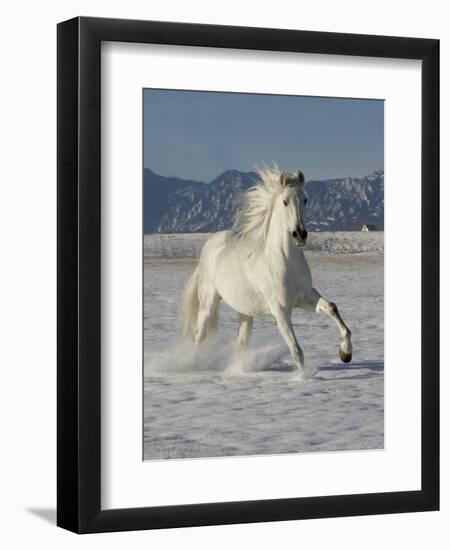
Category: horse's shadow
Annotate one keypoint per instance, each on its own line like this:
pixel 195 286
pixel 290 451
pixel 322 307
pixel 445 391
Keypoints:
pixel 375 368
pixel 279 367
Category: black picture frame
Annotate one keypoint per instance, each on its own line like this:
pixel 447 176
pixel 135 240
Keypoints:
pixel 79 276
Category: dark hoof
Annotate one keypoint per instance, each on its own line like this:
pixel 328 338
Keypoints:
pixel 345 357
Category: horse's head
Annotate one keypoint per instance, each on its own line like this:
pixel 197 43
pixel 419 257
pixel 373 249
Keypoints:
pixel 290 205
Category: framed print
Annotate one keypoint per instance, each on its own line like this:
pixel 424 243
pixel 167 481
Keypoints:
pixel 248 317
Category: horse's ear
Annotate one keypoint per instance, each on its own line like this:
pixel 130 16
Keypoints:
pixel 301 178
pixel 283 179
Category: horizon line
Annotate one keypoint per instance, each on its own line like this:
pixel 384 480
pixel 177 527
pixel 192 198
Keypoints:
pixel 251 172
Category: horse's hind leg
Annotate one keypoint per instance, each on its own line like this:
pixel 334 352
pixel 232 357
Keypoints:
pixel 207 314
pixel 315 302
pixel 245 329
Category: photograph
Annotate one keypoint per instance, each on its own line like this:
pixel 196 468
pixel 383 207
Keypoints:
pixel 263 274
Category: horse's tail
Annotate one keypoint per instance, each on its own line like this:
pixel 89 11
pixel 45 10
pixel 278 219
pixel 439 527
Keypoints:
pixel 187 317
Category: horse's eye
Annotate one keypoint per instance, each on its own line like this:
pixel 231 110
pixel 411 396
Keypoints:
pixel 285 202
pixel 305 201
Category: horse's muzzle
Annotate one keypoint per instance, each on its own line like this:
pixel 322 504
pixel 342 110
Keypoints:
pixel 300 236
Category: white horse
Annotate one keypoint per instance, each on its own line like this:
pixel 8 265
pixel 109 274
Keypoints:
pixel 258 267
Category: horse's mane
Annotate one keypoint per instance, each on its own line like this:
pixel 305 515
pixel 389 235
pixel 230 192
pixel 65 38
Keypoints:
pixel 252 219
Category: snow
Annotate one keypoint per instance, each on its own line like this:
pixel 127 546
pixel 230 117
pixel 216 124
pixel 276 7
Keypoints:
pixel 229 402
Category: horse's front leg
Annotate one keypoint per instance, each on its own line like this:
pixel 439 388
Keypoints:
pixel 283 319
pixel 314 301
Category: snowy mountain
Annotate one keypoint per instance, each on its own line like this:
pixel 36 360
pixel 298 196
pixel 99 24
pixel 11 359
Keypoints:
pixel 173 205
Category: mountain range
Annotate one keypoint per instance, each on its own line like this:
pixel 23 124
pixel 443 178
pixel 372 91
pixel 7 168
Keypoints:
pixel 175 205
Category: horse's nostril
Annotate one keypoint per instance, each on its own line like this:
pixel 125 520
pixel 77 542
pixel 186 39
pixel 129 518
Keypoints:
pixel 294 234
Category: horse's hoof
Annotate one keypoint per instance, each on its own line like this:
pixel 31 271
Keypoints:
pixel 345 356
pixel 299 375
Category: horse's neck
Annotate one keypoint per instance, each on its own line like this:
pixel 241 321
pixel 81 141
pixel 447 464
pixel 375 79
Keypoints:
pixel 281 249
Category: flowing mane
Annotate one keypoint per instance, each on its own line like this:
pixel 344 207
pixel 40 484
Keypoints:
pixel 252 219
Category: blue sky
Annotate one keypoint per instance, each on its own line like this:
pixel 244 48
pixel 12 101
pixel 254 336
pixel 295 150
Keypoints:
pixel 198 135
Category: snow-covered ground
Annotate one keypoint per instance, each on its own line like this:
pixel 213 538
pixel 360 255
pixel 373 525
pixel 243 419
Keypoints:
pixel 231 403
